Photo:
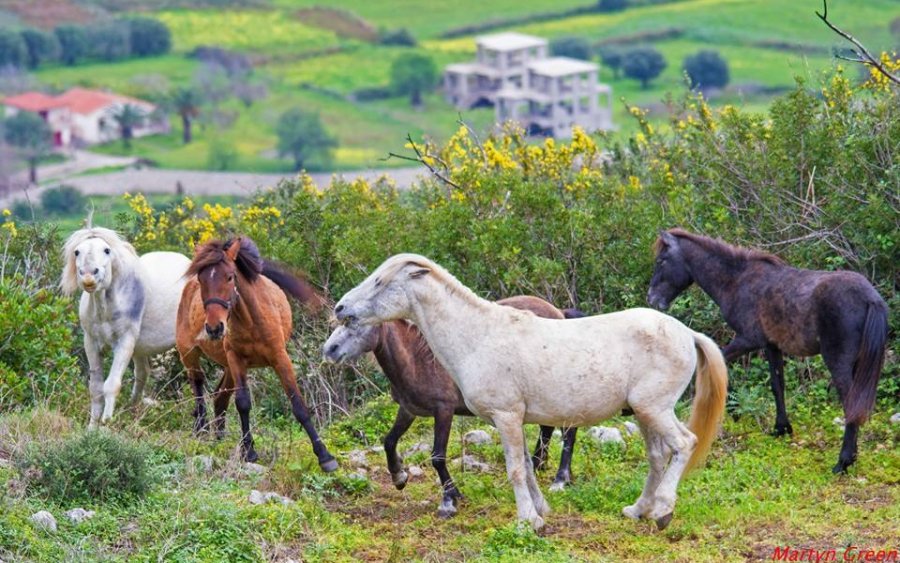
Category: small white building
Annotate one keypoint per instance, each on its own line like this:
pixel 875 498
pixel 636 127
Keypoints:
pixel 546 96
pixel 83 116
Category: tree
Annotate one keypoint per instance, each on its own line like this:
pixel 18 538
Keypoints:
pixel 186 103
pixel 13 51
pixel 31 136
pixel 643 63
pixel 611 5
pixel 413 74
pixel 149 37
pixel 706 69
pixel 73 43
pixel 302 136
pixel 127 117
pixel 40 46
pixel 574 47
pixel 110 41
pixel 612 57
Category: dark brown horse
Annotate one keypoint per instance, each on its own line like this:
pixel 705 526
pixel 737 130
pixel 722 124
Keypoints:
pixel 780 309
pixel 421 387
pixel 234 310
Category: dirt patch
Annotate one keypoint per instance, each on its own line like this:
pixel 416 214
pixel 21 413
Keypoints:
pixel 342 22
pixel 48 14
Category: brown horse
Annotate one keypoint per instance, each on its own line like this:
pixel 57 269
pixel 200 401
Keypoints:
pixel 773 306
pixel 421 387
pixel 234 311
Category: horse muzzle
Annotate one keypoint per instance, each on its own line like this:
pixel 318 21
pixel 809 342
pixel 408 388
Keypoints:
pixel 89 284
pixel 215 332
pixel 657 302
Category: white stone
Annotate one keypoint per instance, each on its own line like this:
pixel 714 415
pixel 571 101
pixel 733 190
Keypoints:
pixel 606 434
pixel 838 421
pixel 259 497
pixel 150 402
pixel 357 476
pixel 896 418
pixel 78 515
pixel 250 467
pixel 415 471
pixel 202 463
pixel 477 437
pixel 358 458
pixel 470 463
pixel 44 520
pixel 631 428
pixel 420 447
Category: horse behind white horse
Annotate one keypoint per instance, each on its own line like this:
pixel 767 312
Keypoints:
pixel 514 367
pixel 129 305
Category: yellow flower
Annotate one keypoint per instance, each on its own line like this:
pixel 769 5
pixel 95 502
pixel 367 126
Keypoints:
pixel 7 212
pixel 10 227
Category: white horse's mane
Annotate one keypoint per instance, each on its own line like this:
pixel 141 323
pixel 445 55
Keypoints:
pixel 123 254
pixel 394 264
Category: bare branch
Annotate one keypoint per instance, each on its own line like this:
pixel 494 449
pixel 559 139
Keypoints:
pixel 420 158
pixel 861 51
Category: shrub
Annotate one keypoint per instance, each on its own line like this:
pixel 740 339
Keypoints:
pixel 706 69
pixel 13 51
pixel 42 47
pixel 96 466
pixel 64 200
pixel 73 43
pixel 574 47
pixel 401 37
pixel 149 37
pixel 222 154
pixel 611 5
pixel 109 41
pixel 372 93
pixel 643 63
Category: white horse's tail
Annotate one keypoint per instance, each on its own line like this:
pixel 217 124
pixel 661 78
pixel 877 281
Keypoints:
pixel 709 397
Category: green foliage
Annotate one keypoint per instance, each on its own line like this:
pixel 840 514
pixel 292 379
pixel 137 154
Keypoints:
pixel 400 37
pixel 611 5
pixel 96 466
pixel 571 46
pixel 149 37
pixel 73 43
pixel 512 542
pixel 302 137
pixel 13 50
pixel 222 155
pixel 30 135
pixel 64 200
pixel 413 74
pixel 611 56
pixel 109 41
pixel 42 47
pixel 643 64
pixel 706 69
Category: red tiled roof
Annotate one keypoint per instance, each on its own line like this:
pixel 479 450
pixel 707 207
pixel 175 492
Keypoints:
pixel 78 100
pixel 32 101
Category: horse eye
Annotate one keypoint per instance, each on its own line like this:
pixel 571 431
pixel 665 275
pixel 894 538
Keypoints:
pixel 106 250
pixel 77 253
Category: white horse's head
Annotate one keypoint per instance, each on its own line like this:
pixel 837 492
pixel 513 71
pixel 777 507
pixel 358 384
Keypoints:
pixel 91 257
pixel 347 342
pixel 387 293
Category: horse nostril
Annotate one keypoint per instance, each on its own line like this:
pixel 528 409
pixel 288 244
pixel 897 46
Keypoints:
pixel 96 271
pixel 332 349
pixel 339 308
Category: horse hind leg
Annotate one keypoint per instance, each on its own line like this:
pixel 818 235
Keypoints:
pixel 513 439
pixel 141 371
pixel 540 503
pixel 395 463
pixel 539 458
pixel 443 419
pixel 681 442
pixel 658 455
pixel 840 364
pixel 776 372
pixel 220 404
pixel 564 473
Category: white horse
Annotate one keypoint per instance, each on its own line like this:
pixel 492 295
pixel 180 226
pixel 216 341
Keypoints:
pixel 514 367
pixel 129 304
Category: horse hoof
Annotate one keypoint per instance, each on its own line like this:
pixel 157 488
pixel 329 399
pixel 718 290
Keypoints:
pixel 329 466
pixel 447 509
pixel 782 431
pixel 558 486
pixel 537 523
pixel 400 479
pixel 663 521
pixel 250 456
pixel 632 512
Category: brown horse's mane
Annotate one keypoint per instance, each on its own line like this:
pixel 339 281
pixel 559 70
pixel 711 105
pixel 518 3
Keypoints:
pixel 411 334
pixel 720 247
pixel 248 261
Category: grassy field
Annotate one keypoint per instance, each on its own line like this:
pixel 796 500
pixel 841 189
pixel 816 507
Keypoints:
pixel 766 43
pixel 756 493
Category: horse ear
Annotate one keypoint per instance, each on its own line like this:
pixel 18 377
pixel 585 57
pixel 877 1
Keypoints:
pixel 233 249
pixel 415 274
pixel 667 239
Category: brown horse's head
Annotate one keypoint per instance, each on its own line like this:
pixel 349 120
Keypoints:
pixel 218 265
pixel 671 274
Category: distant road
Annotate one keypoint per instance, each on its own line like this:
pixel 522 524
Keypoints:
pixel 193 182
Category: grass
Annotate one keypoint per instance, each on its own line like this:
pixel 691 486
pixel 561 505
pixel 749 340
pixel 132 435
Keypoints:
pixel 756 493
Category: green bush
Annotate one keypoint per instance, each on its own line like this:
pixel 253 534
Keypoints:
pixel 64 200
pixel 92 467
pixel 706 69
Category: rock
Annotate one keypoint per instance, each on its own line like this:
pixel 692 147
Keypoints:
pixel 259 497
pixel 203 464
pixel 79 515
pixel 477 437
pixel 255 468
pixel 415 471
pixel 377 449
pixel 357 476
pixel 45 520
pixel 420 447
pixel 470 463
pixel 838 421
pixel 358 458
pixel 150 402
pixel 605 435
pixel 896 418
pixel 631 428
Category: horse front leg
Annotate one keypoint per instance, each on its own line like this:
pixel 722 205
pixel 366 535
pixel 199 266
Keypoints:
pixel 776 371
pixel 564 473
pixel 443 420
pixel 539 458
pixel 285 371
pixel 113 384
pixel 141 371
pixel 513 439
pixel 242 403
pixel 395 463
pixel 95 383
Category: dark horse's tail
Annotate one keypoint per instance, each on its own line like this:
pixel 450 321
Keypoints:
pixel 572 313
pixel 860 399
pixel 294 286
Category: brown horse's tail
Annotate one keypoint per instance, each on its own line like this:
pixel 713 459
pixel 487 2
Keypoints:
pixel 709 397
pixel 294 286
pixel 858 402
